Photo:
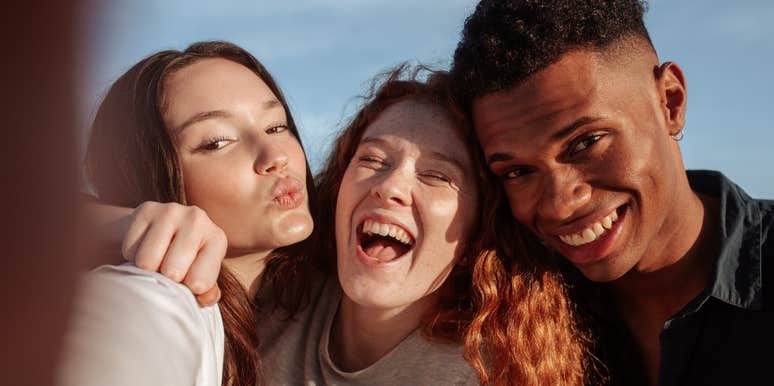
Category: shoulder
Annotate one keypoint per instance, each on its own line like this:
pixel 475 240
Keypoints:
pixel 130 326
pixel 129 283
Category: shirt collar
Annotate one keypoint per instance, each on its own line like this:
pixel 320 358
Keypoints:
pixel 736 278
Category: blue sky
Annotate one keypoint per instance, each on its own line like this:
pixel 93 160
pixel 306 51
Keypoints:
pixel 324 52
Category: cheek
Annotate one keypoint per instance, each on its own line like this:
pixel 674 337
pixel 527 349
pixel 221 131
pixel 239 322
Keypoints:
pixel 217 187
pixel 344 203
pixel 448 217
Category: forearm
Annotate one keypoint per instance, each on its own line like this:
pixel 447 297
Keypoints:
pixel 103 230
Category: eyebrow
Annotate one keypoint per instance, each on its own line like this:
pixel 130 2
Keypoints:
pixel 205 115
pixel 433 154
pixel 561 134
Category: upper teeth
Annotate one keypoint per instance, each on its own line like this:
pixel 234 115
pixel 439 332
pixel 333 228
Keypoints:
pixel 591 232
pixel 372 227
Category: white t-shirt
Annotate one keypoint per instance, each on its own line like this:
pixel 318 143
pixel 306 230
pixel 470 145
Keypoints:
pixel 134 327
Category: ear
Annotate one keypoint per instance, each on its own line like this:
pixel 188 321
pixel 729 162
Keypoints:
pixel 674 96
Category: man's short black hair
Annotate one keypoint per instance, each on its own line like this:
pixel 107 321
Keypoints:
pixel 504 42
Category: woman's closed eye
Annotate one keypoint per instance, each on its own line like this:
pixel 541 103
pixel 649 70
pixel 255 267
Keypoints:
pixel 372 162
pixel 436 175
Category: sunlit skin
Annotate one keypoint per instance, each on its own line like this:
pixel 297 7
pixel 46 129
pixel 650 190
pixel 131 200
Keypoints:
pixel 590 135
pixel 240 163
pixel 410 168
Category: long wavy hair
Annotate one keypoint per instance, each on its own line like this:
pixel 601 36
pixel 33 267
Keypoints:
pixel 526 326
pixel 131 159
pixel 509 309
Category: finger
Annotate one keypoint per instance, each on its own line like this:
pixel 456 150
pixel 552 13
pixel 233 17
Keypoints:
pixel 133 237
pixel 154 246
pixel 181 253
pixel 209 297
pixel 203 274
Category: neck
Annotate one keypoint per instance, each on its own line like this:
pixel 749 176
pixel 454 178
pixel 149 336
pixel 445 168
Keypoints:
pixel 247 269
pixel 675 273
pixel 360 336
pixel 646 298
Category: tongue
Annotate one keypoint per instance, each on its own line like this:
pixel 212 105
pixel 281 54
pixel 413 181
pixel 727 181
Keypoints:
pixel 384 250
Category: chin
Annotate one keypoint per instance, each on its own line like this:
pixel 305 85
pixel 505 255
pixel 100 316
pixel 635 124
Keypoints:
pixel 292 229
pixel 603 273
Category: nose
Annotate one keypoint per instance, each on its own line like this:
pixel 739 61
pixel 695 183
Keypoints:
pixel 564 193
pixel 271 159
pixel 394 188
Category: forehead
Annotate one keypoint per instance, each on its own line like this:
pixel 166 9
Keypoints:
pixel 420 127
pixel 213 84
pixel 570 87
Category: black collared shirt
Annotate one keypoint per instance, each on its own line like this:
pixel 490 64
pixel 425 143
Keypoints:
pixel 725 336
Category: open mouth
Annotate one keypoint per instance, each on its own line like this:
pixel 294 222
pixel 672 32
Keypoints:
pixel 384 241
pixel 593 231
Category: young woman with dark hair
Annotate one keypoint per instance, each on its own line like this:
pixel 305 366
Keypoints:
pixel 207 132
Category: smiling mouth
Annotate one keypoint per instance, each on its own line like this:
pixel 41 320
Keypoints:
pixel 592 231
pixel 384 241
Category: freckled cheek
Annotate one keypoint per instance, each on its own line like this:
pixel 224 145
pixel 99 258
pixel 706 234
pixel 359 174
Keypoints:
pixel 447 218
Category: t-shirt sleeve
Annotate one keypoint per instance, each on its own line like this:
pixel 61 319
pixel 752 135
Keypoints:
pixel 132 327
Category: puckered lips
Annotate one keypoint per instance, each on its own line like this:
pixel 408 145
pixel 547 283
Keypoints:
pixel 288 193
pixel 589 241
pixel 382 240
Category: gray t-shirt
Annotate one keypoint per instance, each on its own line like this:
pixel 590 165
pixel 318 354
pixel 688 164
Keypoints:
pixel 295 352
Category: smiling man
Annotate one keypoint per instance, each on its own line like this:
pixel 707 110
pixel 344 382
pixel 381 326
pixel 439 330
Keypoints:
pixel 581 123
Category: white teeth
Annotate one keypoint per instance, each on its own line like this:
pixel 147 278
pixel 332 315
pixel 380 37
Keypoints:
pixel 591 232
pixel 588 235
pixel 389 230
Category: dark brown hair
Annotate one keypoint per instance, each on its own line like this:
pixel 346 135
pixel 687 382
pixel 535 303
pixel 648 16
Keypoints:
pixel 131 159
pixel 511 312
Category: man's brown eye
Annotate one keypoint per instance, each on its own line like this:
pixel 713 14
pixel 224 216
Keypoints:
pixel 584 143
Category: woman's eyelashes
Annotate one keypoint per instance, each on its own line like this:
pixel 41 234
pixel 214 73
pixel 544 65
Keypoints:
pixel 373 162
pixel 277 129
pixel 218 142
pixel 380 163
pixel 212 144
